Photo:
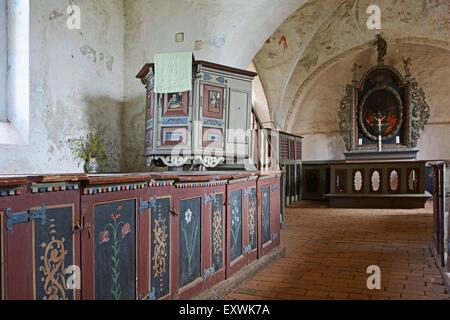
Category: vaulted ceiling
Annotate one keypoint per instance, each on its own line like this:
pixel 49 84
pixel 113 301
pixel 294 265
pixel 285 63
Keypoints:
pixel 323 33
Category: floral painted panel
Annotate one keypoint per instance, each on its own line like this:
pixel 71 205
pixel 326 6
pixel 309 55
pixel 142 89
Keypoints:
pixel 217 238
pixel 160 248
pixel 252 219
pixel 2 294
pixel 265 214
pixel 190 237
pixel 53 254
pixel 236 224
pixel 114 250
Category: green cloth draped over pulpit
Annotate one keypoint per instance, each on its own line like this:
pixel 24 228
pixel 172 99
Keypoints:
pixel 173 72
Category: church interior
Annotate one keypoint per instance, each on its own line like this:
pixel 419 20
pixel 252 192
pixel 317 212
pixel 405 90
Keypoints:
pixel 224 150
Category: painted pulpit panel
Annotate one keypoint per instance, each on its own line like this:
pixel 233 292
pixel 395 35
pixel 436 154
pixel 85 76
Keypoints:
pixel 160 248
pixel 252 219
pixel 265 214
pixel 53 254
pixel 236 224
pixel 190 238
pixel 114 250
pixel 217 232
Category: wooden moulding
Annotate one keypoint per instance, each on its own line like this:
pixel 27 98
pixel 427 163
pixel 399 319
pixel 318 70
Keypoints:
pixel 105 179
pixel 12 181
pixel 151 66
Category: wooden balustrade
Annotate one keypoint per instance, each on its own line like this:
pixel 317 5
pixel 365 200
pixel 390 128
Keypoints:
pixel 378 185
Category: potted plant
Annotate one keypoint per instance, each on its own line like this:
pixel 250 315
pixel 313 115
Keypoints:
pixel 90 150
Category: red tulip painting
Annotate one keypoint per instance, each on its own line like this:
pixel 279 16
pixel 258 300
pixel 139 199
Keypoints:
pixel 118 230
pixel 126 229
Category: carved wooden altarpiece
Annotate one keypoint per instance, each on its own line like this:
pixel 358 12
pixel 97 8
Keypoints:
pixel 383 105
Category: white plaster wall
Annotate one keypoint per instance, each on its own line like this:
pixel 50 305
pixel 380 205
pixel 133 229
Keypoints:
pixel 76 83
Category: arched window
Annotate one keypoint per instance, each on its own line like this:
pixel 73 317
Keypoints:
pixel 14 71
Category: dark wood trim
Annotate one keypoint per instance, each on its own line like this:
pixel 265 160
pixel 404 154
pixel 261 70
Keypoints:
pixel 225 68
pixel 146 69
pixel 77 177
pixel 115 179
pixel 12 182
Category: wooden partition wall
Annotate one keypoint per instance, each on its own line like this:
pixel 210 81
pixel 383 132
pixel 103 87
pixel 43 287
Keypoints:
pixel 378 185
pixel 131 237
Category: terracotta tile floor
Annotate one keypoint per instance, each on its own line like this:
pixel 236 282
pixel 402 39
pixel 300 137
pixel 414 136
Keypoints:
pixel 328 251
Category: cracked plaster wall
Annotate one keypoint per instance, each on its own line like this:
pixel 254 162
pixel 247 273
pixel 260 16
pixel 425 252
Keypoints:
pixel 76 83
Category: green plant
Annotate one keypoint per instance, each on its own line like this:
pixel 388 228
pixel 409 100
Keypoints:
pixel 91 146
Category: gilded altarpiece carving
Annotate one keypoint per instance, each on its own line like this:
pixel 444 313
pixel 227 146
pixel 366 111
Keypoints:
pixel 384 111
